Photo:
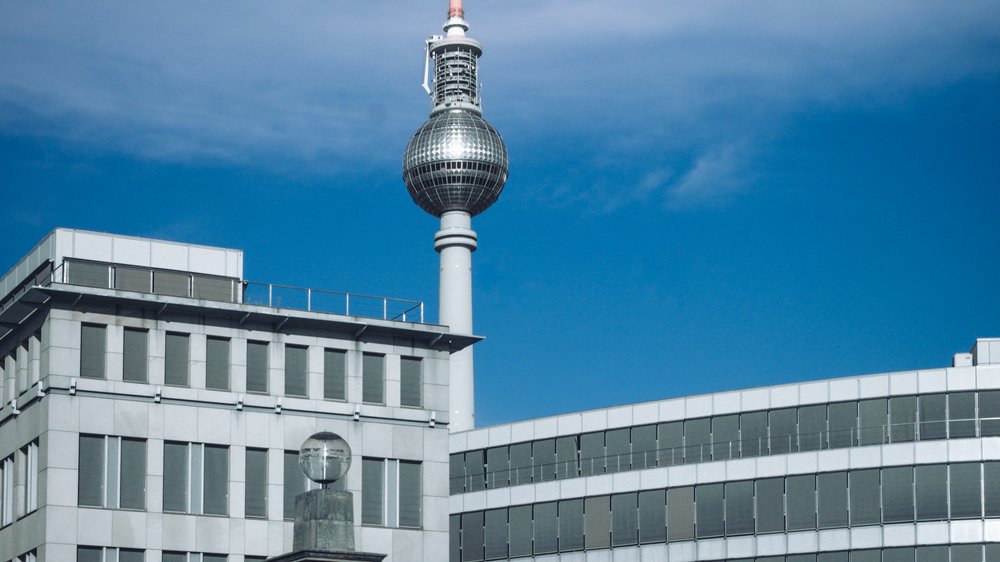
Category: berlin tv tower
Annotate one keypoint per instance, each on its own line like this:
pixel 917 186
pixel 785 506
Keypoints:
pixel 455 167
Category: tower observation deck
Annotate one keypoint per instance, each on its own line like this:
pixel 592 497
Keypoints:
pixel 455 167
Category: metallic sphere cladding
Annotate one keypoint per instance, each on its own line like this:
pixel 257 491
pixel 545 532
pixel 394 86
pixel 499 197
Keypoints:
pixel 456 161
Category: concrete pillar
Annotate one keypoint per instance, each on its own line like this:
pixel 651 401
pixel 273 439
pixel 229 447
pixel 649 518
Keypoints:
pixel 455 242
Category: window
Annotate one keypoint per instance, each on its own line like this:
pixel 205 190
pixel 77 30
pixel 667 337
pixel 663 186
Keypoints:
pixel 965 483
pixel 546 528
pixel 670 441
pixel 257 366
pixel 193 557
pixel 708 499
pixel 520 463
pixel 334 374
pixel 753 432
pixel 897 494
pixel 93 348
pixel 567 465
pixel 617 449
pixel 739 508
pixel 989 413
pixel 782 427
pixel 592 453
pixel 497 467
pixel 843 424
pixel 410 382
pixel 801 499
pixel 597 522
pixel 643 447
pixel 962 413
pixel 625 519
pixel 812 428
pixel 726 437
pixel 456 473
pixel 373 378
pixel 770 505
pixel 932 416
pixel 520 531
pixel 472 536
pixel 495 534
pixel 195 478
pixel 175 284
pixel 991 488
pixel 391 492
pixel 571 525
pixel 29 456
pixel 831 491
pixel 217 363
pixel 932 492
pixel 30 556
pixel 256 483
pixel 135 355
pixel 873 417
pixel 680 513
pixel 902 418
pixel 112 472
pixel 136 279
pixel 864 488
pixel 7 491
pixel 697 440
pixel 475 470
pixel 296 381
pixel 106 554
pixel 543 459
pixel 295 483
pixel 88 274
pixel 176 362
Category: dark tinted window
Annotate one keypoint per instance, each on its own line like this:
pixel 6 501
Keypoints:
pixel 897 494
pixel 843 424
pixel 965 485
pixel 495 534
pixel 782 428
pixel 652 516
pixel 617 449
pixel 800 494
pixel 570 525
pixel 546 528
pixel 739 508
pixel 543 457
pixel 831 489
pixel 567 465
pixel 753 434
pixel 962 413
pixel 770 505
pixel 697 440
pixel 708 499
pixel 597 522
pixel 497 467
pixel 520 531
pixel 725 437
pixel 624 519
pixel 680 513
pixel 643 447
pixel 902 418
pixel 932 416
pixel 670 438
pixel 472 536
pixel 932 492
pixel 592 453
pixel 873 417
pixel 864 489
pixel 812 428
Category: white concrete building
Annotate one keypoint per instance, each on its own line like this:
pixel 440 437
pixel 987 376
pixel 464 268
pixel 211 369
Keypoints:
pixel 898 467
pixel 153 403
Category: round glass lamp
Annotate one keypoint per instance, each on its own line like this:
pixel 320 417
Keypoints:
pixel 325 457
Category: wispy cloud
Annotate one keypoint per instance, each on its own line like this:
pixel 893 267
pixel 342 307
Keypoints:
pixel 320 85
pixel 716 175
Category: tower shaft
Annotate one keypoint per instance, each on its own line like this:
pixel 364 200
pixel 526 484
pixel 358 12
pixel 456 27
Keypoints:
pixel 455 242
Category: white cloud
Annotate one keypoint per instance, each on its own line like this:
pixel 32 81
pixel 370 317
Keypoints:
pixel 716 174
pixel 321 85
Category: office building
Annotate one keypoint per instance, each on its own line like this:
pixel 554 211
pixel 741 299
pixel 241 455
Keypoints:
pixel 897 467
pixel 154 402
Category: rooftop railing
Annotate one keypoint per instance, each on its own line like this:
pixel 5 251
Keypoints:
pixel 486 477
pixel 228 289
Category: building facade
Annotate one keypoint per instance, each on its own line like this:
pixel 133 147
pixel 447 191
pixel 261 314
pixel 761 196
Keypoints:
pixel 890 468
pixel 154 402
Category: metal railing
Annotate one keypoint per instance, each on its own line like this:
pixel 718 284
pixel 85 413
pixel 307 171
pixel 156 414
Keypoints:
pixel 262 294
pixel 726 450
pixel 334 302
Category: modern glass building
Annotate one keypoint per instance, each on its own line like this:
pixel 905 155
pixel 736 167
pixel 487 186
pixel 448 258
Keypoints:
pixel 154 401
pixel 891 467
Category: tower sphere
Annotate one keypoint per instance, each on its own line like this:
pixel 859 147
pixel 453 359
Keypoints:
pixel 456 161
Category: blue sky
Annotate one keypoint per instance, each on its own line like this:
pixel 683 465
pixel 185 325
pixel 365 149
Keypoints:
pixel 703 195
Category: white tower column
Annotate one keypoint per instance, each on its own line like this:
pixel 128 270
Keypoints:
pixel 455 242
